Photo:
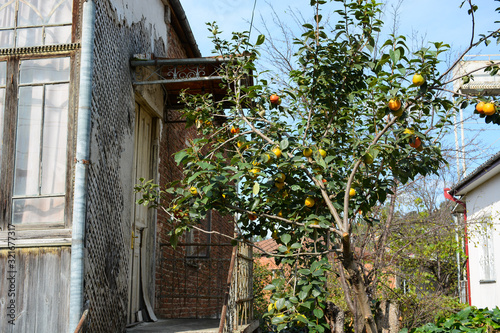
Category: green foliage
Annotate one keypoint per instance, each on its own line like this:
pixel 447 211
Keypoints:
pixel 262 276
pixel 419 309
pixel 470 319
pixel 305 306
pixel 424 246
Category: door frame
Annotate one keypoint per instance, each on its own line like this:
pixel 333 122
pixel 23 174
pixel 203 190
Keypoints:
pixel 146 239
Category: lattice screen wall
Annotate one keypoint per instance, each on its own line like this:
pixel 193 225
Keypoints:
pixel 110 185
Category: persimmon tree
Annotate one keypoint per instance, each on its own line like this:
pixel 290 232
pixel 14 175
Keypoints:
pixel 309 163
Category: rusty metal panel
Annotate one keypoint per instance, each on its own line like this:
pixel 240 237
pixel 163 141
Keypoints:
pixel 39 281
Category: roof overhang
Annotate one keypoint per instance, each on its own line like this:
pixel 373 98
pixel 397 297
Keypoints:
pixel 482 82
pixel 182 28
pixel 193 75
pixel 483 173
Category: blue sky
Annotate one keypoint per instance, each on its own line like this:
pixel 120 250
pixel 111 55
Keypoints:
pixel 440 20
pixel 433 20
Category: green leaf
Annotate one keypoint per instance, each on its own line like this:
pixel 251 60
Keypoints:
pixel 302 319
pixel 308 304
pixel 285 238
pixel 255 204
pixel 174 239
pixel 318 272
pixel 318 313
pixel 303 295
pixel 194 176
pixel 206 166
pixel 256 188
pixel 180 156
pixel 260 40
pixel 395 55
pixel 280 303
pixel 322 163
pixel 284 144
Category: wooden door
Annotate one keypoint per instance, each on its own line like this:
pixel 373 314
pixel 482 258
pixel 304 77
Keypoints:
pixel 142 224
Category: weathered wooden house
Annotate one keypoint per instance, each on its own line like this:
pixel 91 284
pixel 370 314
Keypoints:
pixel 78 129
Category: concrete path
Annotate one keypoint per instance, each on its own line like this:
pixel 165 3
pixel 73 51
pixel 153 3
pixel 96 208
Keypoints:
pixel 177 326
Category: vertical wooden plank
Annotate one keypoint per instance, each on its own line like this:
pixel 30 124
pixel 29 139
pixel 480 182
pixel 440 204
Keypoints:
pixel 42 290
pixel 9 137
pixel 44 301
pixel 4 286
pixel 70 154
pixel 29 290
pixel 63 289
pixel 23 271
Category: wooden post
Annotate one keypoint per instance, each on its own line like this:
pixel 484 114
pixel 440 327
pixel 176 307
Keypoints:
pixel 228 287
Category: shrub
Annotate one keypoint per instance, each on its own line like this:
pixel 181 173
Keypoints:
pixel 470 319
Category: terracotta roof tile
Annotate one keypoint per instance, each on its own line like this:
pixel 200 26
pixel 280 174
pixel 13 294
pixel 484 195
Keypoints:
pixel 268 245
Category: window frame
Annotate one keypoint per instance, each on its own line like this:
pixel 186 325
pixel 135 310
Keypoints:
pixel 42 234
pixel 487 255
pixel 17 27
pixel 9 139
pixel 200 251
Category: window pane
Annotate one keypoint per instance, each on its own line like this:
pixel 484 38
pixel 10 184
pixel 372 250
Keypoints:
pixel 3 73
pixel 195 236
pixel 44 70
pixel 27 159
pixel 43 12
pixel 7 13
pixel 39 210
pixel 60 11
pixel 58 35
pixel 32 17
pixel 29 14
pixel 29 37
pixel 55 125
pixel 6 38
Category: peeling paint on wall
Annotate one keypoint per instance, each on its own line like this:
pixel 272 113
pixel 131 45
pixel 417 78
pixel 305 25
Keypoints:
pixel 132 11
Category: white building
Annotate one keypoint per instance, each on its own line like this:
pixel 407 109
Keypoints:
pixel 480 191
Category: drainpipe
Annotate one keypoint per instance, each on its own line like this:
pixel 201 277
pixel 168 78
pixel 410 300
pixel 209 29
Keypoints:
pixel 459 272
pixel 81 167
pixel 448 196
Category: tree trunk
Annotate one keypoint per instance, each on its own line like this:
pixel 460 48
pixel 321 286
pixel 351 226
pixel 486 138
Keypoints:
pixel 363 302
pixel 356 282
pixel 335 318
pixel 388 317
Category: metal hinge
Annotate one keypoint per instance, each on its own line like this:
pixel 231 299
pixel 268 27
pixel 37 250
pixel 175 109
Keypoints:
pixel 133 240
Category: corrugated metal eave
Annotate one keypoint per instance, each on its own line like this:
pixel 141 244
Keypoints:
pixel 474 178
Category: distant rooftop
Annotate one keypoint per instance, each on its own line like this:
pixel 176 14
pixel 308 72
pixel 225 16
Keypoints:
pixel 481 82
